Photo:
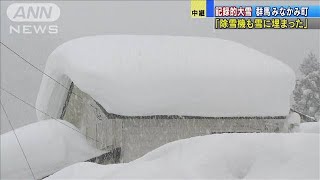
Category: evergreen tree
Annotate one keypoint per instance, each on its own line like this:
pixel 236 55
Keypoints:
pixel 307 91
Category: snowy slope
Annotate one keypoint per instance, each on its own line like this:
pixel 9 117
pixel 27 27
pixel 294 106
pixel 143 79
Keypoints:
pixel 224 156
pixel 167 75
pixel 49 146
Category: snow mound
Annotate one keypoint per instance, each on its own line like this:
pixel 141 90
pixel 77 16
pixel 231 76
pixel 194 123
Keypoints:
pixel 167 75
pixel 225 156
pixel 294 118
pixel 309 127
pixel 48 145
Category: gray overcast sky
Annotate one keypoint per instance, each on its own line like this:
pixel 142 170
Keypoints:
pixel 87 18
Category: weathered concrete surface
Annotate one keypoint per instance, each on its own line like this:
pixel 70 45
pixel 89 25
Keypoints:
pixel 138 135
pixel 87 115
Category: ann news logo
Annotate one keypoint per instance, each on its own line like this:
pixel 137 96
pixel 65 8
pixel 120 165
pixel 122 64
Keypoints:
pixel 33 18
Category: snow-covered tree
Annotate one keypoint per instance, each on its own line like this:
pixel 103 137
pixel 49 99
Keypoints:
pixel 307 91
pixel 309 65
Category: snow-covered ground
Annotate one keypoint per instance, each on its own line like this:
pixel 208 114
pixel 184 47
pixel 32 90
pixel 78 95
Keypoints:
pixel 139 75
pixel 49 146
pixel 310 127
pixel 257 156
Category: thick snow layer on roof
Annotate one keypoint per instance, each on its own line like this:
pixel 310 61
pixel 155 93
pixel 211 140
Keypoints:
pixel 224 156
pixel 167 75
pixel 49 146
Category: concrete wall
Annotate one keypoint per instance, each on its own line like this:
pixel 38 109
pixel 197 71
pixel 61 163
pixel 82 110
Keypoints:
pixel 137 136
pixel 87 115
pixel 140 136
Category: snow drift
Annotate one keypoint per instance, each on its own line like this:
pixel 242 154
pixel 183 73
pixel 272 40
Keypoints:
pixel 164 75
pixel 225 156
pixel 310 127
pixel 48 145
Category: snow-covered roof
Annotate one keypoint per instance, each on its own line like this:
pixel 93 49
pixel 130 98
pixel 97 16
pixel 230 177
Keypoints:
pixel 138 75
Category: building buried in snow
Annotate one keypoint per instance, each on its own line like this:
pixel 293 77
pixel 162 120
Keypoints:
pixel 132 94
